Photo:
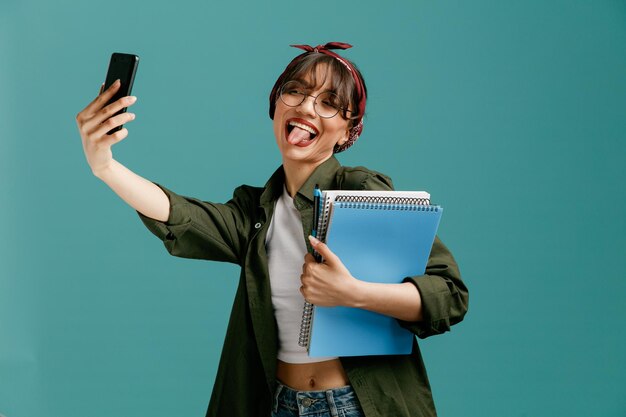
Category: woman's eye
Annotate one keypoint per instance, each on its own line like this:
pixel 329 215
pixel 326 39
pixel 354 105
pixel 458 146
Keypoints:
pixel 331 102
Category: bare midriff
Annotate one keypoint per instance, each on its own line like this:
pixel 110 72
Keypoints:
pixel 312 376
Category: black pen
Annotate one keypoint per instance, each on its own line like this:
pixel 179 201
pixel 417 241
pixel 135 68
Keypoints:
pixel 317 198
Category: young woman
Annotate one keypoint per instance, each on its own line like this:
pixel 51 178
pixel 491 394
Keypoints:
pixel 317 106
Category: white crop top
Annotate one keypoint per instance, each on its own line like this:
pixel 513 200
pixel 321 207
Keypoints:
pixel 285 252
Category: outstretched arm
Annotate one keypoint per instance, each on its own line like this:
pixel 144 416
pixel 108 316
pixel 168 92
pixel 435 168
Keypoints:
pixel 94 121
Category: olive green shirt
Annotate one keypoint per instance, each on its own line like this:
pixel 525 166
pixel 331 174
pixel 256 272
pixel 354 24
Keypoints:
pixel 386 386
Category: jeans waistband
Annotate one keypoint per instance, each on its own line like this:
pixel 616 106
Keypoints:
pixel 311 402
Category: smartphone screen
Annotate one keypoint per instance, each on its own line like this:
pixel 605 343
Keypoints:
pixel 122 67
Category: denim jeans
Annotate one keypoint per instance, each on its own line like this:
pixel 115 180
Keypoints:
pixel 337 402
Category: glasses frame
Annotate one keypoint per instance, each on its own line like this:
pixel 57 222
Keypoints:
pixel 305 96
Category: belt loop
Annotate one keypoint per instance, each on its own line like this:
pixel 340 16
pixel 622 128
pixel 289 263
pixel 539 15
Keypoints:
pixel 279 388
pixel 330 399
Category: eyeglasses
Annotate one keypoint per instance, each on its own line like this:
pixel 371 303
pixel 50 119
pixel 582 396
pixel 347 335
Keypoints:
pixel 326 104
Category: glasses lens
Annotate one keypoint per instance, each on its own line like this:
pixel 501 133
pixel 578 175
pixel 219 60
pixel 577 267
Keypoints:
pixel 292 93
pixel 327 104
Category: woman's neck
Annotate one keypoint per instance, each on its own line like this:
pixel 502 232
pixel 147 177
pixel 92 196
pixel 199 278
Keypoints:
pixel 296 174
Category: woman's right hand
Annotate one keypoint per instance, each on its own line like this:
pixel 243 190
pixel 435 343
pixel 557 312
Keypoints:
pixel 95 120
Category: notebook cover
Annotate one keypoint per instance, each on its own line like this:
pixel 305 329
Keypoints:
pixel 376 246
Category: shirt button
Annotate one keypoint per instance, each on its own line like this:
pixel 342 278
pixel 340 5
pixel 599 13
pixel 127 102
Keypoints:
pixel 257 226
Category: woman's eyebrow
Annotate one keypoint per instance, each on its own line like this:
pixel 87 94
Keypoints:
pixel 309 86
pixel 303 83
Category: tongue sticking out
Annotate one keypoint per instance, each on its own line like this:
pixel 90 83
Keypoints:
pixel 297 135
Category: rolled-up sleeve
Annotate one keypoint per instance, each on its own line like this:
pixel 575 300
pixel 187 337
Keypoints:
pixel 203 230
pixel 444 295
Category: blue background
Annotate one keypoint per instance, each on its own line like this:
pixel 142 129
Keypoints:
pixel 512 114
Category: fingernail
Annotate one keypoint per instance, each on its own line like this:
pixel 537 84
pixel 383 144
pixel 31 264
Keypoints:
pixel 132 116
pixel 117 82
pixel 133 99
pixel 314 241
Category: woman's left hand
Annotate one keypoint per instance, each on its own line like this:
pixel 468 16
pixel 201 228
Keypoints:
pixel 328 283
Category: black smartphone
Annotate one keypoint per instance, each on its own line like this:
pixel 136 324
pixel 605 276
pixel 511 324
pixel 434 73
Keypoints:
pixel 124 68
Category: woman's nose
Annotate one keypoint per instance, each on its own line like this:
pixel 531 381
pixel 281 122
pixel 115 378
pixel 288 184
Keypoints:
pixel 308 106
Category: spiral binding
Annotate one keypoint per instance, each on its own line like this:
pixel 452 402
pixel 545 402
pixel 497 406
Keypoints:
pixel 408 201
pixel 382 206
pixel 305 325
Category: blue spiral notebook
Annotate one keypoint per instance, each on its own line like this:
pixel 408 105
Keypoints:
pixel 381 236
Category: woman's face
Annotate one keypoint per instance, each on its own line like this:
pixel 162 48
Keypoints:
pixel 301 134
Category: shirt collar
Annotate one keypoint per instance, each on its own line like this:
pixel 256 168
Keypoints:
pixel 273 187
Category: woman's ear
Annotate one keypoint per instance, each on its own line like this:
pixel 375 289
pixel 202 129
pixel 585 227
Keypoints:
pixel 345 136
